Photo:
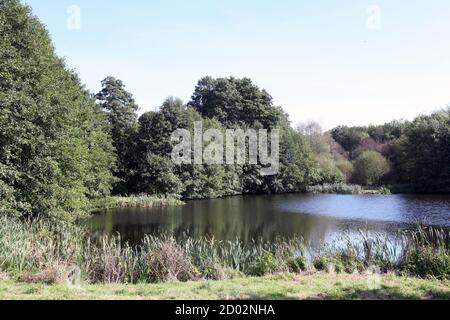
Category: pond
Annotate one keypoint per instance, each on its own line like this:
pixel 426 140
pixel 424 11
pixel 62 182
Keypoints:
pixel 316 218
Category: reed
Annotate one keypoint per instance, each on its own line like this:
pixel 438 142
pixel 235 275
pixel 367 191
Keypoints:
pixel 144 201
pixel 338 188
pixel 43 251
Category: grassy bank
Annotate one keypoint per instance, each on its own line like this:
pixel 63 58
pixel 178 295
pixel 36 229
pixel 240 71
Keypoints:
pixel 141 201
pixel 145 202
pixel 47 253
pixel 346 189
pixel 283 286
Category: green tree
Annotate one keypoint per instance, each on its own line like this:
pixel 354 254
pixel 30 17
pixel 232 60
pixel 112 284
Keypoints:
pixel 423 153
pixel 369 168
pixel 235 102
pixel 349 138
pixel 55 154
pixel 122 118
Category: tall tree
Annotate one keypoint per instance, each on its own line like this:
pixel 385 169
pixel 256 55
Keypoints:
pixel 423 153
pixel 55 153
pixel 123 126
pixel 235 102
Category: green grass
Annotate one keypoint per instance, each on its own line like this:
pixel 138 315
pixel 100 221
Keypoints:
pixel 282 286
pixel 144 202
pixel 347 189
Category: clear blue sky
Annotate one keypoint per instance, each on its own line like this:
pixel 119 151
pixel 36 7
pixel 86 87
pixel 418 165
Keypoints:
pixel 335 61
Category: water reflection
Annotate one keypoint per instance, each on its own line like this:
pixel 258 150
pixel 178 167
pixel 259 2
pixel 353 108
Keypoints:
pixel 316 218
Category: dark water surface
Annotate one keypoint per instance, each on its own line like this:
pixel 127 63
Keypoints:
pixel 317 218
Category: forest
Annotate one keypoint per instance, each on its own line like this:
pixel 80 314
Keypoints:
pixel 64 149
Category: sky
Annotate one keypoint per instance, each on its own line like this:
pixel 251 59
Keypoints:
pixel 332 61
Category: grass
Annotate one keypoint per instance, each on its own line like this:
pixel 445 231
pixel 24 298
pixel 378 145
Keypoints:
pixel 281 286
pixel 42 252
pixel 346 189
pixel 142 201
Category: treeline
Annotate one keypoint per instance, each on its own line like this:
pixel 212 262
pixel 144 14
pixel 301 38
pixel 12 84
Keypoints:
pixel 408 156
pixel 144 146
pixel 56 157
pixel 64 150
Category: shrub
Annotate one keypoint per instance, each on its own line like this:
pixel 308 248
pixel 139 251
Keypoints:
pixel 348 261
pixel 427 262
pixel 107 269
pixel 298 264
pixel 370 167
pixel 169 262
pixel 320 263
pixel 213 270
pixel 264 264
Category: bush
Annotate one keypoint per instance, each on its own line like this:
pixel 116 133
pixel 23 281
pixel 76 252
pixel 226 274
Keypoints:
pixel 348 261
pixel 427 262
pixel 264 264
pixel 108 268
pixel 213 270
pixel 370 167
pixel 298 264
pixel 169 262
pixel 320 263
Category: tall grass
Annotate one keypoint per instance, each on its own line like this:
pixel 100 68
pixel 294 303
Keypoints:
pixel 346 189
pixel 44 252
pixel 338 188
pixel 141 201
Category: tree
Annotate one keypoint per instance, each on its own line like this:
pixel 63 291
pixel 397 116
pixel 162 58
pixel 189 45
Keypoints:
pixel 349 138
pixel 369 168
pixel 235 102
pixel 55 154
pixel 346 167
pixel 122 119
pixel 423 153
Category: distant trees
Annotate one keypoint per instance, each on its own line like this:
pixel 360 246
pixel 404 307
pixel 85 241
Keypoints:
pixel 322 146
pixel 349 137
pixel 220 104
pixel 418 153
pixel 55 152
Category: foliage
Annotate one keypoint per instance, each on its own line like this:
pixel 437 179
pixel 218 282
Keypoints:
pixel 422 154
pixel 153 171
pixel 235 102
pixel 55 153
pixel 263 265
pixel 339 188
pixel 122 123
pixel 370 167
pixel 349 138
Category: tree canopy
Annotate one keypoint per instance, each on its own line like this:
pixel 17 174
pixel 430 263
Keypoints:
pixel 55 152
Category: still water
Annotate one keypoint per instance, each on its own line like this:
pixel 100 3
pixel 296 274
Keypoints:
pixel 316 218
